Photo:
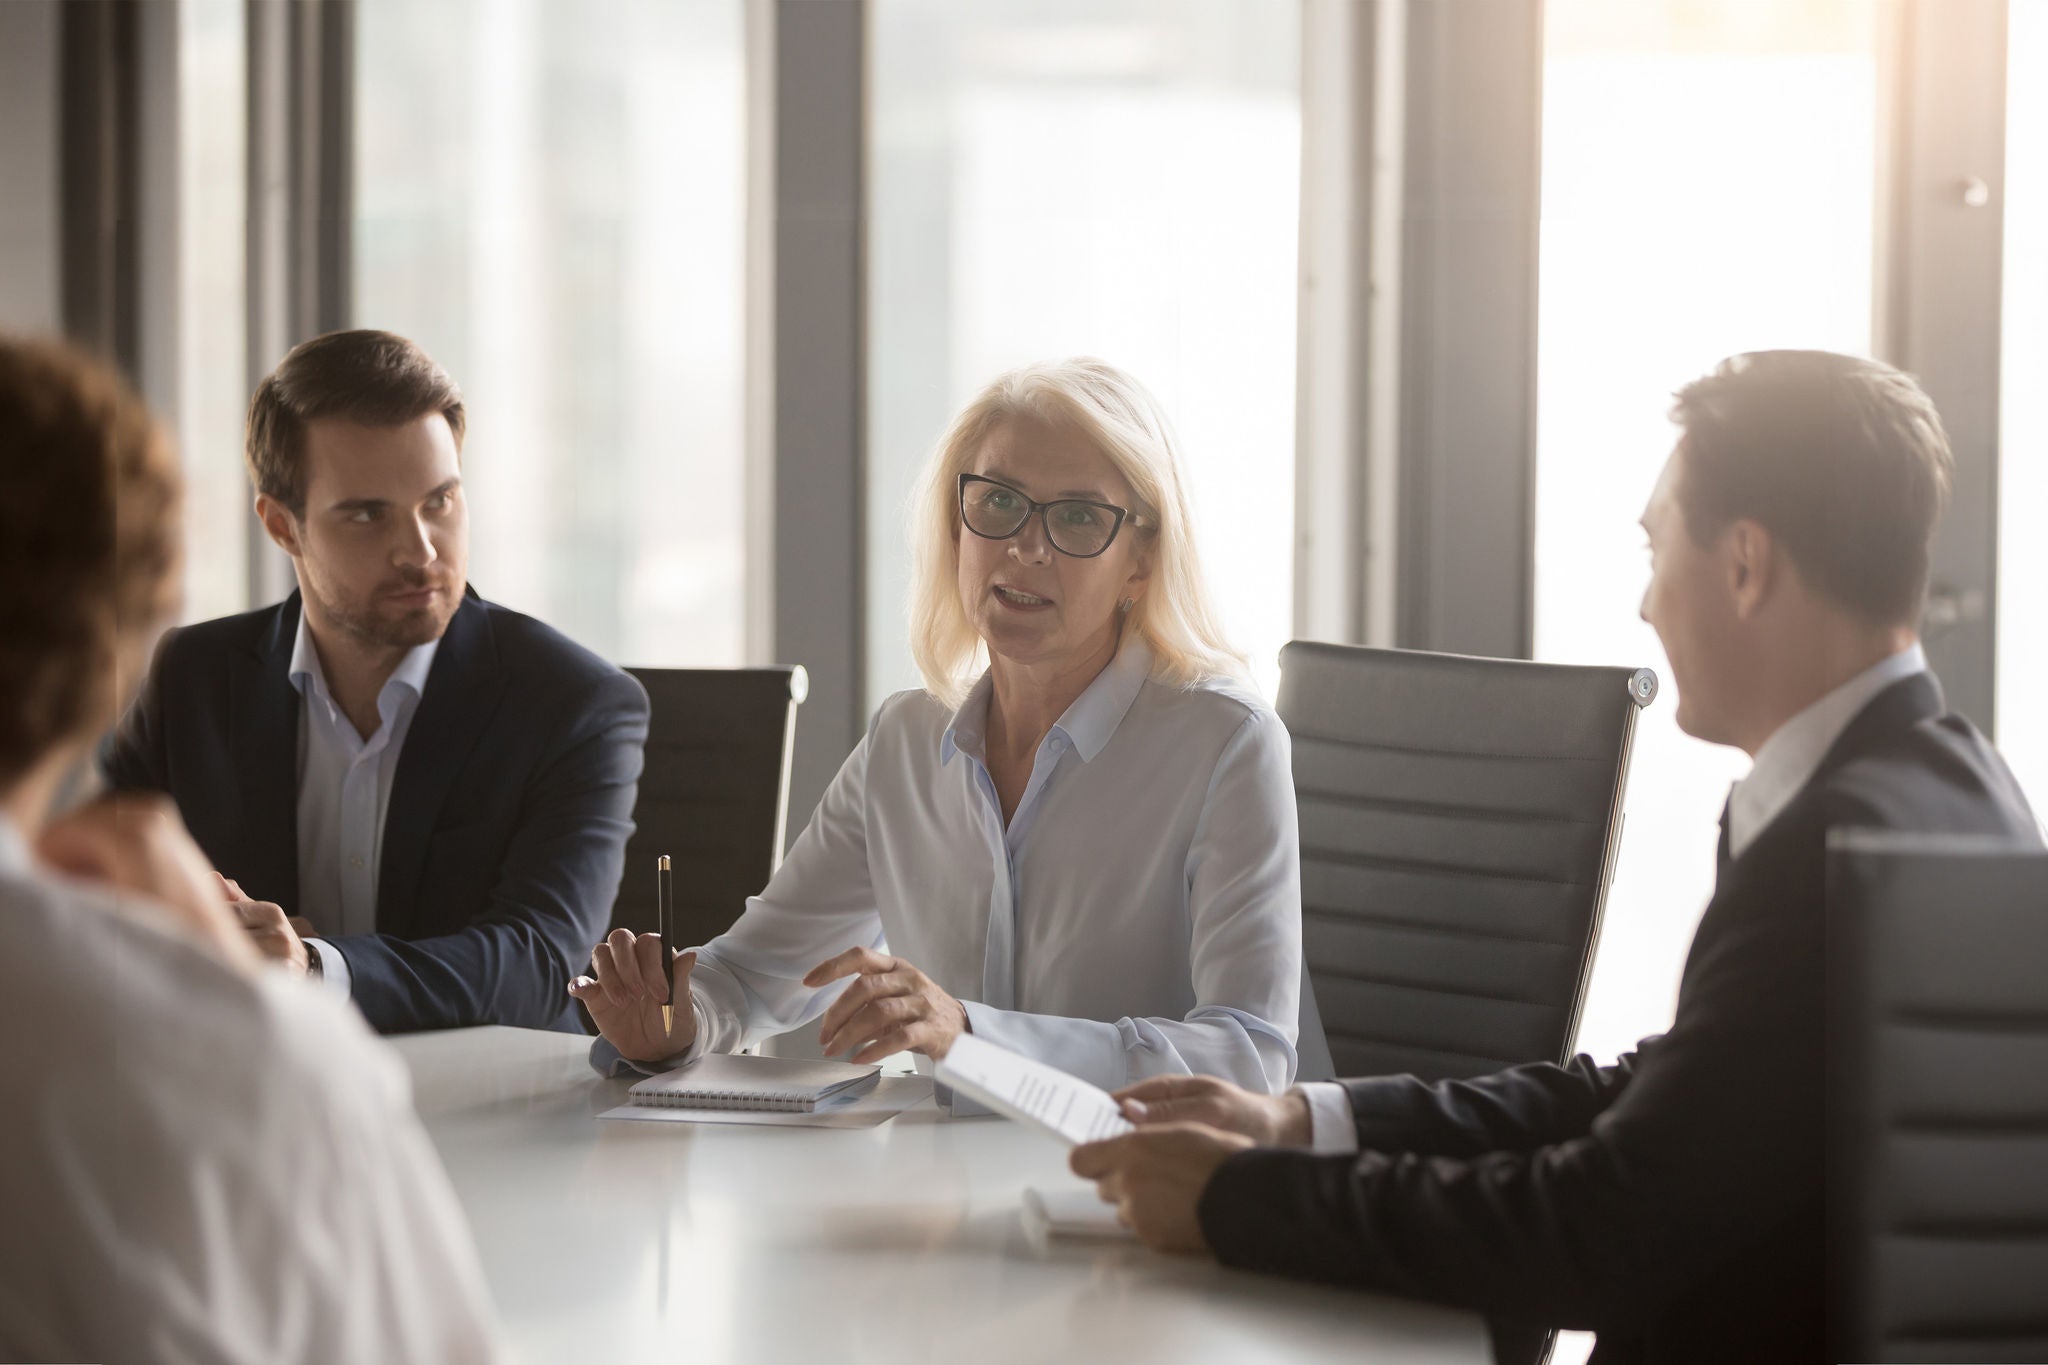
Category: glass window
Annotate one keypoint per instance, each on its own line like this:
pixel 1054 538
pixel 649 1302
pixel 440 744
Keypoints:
pixel 2023 440
pixel 1117 178
pixel 551 199
pixel 213 360
pixel 1709 187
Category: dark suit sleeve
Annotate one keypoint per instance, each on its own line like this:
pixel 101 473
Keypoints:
pixel 1713 1139
pixel 1517 1110
pixel 131 757
pixel 552 900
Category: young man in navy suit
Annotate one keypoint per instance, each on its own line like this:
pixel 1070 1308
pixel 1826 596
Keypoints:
pixel 414 795
pixel 1672 1202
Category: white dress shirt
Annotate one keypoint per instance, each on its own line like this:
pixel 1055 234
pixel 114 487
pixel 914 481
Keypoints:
pixel 344 791
pixel 1140 914
pixel 1785 763
pixel 198 1166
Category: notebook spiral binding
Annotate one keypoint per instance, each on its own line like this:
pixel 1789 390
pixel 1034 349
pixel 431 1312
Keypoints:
pixel 729 1099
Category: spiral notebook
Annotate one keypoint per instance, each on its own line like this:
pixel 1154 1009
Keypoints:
pixel 726 1081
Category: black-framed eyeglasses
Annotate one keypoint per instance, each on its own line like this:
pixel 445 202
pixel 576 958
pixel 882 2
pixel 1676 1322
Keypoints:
pixel 1074 526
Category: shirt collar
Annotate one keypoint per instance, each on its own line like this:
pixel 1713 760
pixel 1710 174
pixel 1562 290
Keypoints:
pixel 305 671
pixel 1789 758
pixel 1087 724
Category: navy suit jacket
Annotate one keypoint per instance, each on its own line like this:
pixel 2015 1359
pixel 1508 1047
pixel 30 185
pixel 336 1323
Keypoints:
pixel 506 830
pixel 1672 1202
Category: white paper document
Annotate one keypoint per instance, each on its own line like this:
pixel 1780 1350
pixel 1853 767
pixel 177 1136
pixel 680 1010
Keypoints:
pixel 1075 1211
pixel 1031 1092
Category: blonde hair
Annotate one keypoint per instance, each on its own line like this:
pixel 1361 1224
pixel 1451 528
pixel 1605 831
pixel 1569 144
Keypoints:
pixel 1120 418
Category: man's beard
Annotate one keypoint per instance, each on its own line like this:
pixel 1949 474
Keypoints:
pixel 394 628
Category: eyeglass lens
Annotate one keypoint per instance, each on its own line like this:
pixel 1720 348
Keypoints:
pixel 1081 529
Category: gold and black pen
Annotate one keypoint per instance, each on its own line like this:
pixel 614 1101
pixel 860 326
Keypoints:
pixel 668 944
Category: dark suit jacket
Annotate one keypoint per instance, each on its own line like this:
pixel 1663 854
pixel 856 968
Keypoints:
pixel 507 824
pixel 1671 1202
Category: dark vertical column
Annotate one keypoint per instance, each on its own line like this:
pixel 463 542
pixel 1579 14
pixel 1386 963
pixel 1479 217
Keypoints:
pixel 101 176
pixel 1941 287
pixel 1468 302
pixel 820 321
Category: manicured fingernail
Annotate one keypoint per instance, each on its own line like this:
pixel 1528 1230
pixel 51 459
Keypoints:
pixel 1134 1108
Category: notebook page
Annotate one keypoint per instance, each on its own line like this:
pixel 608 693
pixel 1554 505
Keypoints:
pixel 1031 1092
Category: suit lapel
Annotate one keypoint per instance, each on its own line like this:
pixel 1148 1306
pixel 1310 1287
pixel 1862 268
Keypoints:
pixel 264 720
pixel 463 690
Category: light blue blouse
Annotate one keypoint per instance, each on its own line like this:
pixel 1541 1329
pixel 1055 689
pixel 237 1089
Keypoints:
pixel 1140 915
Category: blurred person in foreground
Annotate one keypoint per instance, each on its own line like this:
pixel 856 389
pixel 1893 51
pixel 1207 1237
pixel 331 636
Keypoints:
pixel 1077 840
pixel 202 1160
pixel 1671 1202
pixel 417 797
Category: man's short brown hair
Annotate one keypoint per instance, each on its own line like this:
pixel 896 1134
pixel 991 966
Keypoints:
pixel 89 544
pixel 1843 460
pixel 375 379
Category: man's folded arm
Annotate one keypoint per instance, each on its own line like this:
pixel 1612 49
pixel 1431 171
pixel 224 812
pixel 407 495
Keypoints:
pixel 553 896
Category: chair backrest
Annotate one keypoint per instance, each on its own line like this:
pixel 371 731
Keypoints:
pixel 1937 1162
pixel 1459 822
pixel 714 793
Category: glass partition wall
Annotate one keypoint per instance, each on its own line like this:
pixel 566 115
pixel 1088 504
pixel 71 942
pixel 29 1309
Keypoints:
pixel 551 199
pixel 1117 178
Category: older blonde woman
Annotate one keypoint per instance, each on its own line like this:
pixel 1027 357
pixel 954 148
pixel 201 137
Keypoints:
pixel 1087 853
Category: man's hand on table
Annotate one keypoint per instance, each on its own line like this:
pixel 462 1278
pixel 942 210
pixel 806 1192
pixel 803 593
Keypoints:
pixel 280 938
pixel 1156 1176
pixel 625 994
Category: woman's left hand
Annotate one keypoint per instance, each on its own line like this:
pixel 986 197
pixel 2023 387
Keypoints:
pixel 891 1007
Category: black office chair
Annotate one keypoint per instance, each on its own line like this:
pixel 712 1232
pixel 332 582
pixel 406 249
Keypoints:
pixel 1937 1171
pixel 714 794
pixel 1459 824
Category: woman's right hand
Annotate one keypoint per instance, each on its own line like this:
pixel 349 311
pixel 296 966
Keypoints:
pixel 626 992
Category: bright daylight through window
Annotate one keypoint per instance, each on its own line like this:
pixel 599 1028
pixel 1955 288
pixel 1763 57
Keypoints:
pixel 550 198
pixel 1679 226
pixel 2023 439
pixel 1116 178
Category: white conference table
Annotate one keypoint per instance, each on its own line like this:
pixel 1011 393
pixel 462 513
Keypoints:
pixel 618 1242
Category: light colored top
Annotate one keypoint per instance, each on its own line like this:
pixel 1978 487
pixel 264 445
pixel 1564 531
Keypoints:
pixel 344 791
pixel 1785 763
pixel 201 1167
pixel 1789 757
pixel 1139 915
pixel 628 1242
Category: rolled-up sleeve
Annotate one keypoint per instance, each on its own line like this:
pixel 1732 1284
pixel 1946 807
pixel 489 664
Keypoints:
pixel 748 982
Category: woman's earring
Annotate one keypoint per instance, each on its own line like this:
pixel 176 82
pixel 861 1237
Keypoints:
pixel 1127 604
